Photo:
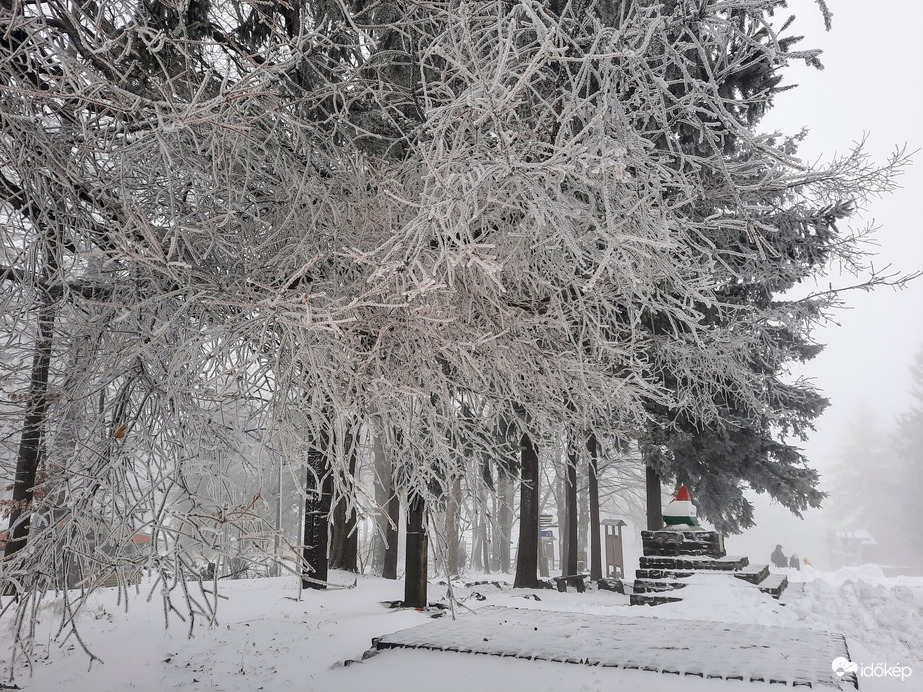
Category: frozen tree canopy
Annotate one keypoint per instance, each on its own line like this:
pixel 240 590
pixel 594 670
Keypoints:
pixel 236 234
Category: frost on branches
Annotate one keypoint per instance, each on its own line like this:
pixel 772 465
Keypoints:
pixel 241 242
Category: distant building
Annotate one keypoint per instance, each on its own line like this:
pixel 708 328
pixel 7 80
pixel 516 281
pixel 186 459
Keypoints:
pixel 105 561
pixel 856 547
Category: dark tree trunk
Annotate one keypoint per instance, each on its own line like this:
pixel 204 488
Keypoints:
pixel 570 508
pixel 416 558
pixel 560 503
pixel 596 562
pixel 527 554
pixel 344 551
pixel 654 510
pixel 389 570
pixel 31 442
pixel 483 530
pixel 505 519
pixel 317 516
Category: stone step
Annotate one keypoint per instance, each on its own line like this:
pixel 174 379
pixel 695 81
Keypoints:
pixel 774 585
pixel 652 599
pixel 755 574
pixel 663 573
pixel 656 586
pixel 617 585
pixel 652 585
pixel 678 543
pixel 730 563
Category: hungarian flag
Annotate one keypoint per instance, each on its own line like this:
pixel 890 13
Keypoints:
pixel 680 511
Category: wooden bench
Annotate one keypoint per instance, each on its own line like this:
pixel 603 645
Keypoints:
pixel 577 580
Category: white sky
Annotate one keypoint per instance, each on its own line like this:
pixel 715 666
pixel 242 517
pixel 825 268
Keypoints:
pixel 872 85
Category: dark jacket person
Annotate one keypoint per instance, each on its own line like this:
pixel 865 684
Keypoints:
pixel 778 557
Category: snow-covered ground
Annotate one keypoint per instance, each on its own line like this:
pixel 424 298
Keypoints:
pixel 266 639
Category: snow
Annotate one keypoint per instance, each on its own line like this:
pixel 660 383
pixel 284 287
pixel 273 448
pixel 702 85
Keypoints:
pixel 266 639
pixel 782 655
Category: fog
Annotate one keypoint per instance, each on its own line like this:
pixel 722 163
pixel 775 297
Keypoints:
pixel 871 87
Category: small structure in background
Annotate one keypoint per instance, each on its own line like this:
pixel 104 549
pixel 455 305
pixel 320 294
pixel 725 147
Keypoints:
pixel 855 547
pixel 615 556
pixel 545 544
pixel 108 560
pixel 545 552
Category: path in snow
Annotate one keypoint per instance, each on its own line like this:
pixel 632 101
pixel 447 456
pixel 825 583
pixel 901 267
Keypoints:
pixel 787 655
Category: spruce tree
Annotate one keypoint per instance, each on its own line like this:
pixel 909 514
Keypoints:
pixel 903 482
pixel 767 239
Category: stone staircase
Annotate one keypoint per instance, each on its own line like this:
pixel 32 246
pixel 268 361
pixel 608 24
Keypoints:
pixel 672 557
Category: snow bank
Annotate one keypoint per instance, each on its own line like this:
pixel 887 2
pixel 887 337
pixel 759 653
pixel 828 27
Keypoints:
pixel 882 617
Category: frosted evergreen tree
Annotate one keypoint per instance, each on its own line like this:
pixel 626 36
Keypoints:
pixel 902 535
pixel 795 223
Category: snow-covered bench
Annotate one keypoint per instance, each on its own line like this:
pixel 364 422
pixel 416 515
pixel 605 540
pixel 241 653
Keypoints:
pixel 577 580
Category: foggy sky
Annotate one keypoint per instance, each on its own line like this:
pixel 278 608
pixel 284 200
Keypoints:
pixel 871 86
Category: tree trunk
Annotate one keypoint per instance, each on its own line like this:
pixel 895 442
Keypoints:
pixel 505 519
pixel 476 553
pixel 389 512
pixel 583 520
pixel 495 528
pixel 382 487
pixel 31 442
pixel 596 566
pixel 570 508
pixel 452 509
pixel 654 510
pixel 416 558
pixel 483 529
pixel 389 569
pixel 485 543
pixel 319 487
pixel 527 553
pixel 344 551
pixel 560 503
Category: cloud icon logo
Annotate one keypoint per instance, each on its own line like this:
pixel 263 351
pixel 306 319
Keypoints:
pixel 841 666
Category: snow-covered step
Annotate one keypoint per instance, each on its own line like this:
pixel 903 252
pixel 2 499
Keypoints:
pixel 663 573
pixel 755 574
pixel 656 586
pixel 652 599
pixel 774 585
pixel 792 591
pixel 730 563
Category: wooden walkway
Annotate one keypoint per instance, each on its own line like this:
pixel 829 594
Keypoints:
pixel 797 657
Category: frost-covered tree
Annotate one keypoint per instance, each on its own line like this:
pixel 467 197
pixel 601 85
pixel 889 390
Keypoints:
pixel 326 216
pixel 903 515
pixel 861 470
pixel 773 223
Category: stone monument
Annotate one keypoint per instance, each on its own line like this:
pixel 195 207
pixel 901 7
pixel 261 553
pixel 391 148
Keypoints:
pixel 684 549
